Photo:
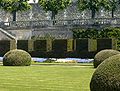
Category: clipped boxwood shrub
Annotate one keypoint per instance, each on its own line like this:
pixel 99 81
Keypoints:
pixel 102 55
pixel 107 75
pixel 17 57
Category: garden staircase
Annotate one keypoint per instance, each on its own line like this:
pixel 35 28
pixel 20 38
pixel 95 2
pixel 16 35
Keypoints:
pixel 7 34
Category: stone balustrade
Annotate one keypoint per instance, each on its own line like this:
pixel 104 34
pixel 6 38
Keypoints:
pixel 60 23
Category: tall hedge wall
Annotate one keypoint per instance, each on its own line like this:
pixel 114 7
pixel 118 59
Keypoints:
pixel 81 45
pixel 6 45
pixel 43 45
pixel 70 45
pixel 22 44
pixel 60 47
pixel 40 45
pixel 106 44
pixel 13 44
pixel 84 44
pixel 92 45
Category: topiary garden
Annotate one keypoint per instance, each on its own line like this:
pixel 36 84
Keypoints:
pixel 17 58
pixel 107 75
pixel 102 55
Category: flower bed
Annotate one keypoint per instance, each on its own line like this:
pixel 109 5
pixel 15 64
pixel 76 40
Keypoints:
pixel 64 60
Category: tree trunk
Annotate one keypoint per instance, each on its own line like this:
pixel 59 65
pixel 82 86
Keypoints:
pixel 53 18
pixel 112 13
pixel 93 13
pixel 14 15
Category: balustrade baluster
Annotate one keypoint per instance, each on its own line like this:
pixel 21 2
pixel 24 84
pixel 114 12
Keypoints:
pixel 60 23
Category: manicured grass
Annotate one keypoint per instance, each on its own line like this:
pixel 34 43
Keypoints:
pixel 46 77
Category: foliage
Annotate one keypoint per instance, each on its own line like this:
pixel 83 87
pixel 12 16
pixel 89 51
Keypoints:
pixel 4 46
pixel 112 5
pixel 96 5
pixel 110 32
pixel 102 55
pixel 22 44
pixel 106 77
pixel 86 33
pixel 59 43
pixel 17 58
pixel 94 33
pixel 81 45
pixel 93 5
pixel 40 45
pixel 54 5
pixel 14 5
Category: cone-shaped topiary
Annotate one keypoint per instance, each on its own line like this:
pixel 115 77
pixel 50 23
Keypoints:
pixel 107 75
pixel 102 55
pixel 17 58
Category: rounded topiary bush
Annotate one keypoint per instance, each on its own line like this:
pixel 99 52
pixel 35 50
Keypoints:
pixel 107 75
pixel 17 58
pixel 102 55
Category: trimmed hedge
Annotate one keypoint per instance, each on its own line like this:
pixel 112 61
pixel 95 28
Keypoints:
pixel 30 45
pixel 59 45
pixel 17 58
pixel 43 45
pixel 70 45
pixel 81 45
pixel 22 44
pixel 106 44
pixel 85 45
pixel 40 45
pixel 107 75
pixel 92 45
pixel 86 33
pixel 6 45
pixel 102 55
pixel 13 44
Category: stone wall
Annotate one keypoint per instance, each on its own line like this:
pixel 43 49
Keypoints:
pixel 26 34
pixel 18 34
pixel 61 33
pixel 3 37
pixel 23 34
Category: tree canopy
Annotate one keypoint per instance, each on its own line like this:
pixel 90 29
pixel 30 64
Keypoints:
pixel 54 6
pixel 112 6
pixel 93 5
pixel 14 5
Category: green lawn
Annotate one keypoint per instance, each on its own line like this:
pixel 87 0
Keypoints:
pixel 46 77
